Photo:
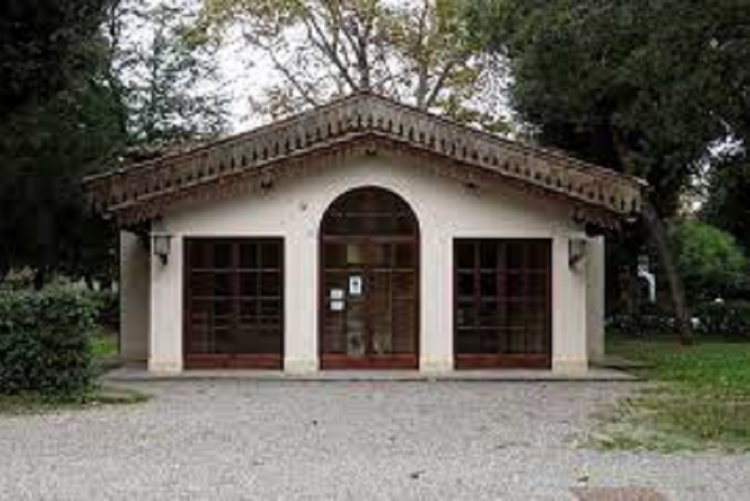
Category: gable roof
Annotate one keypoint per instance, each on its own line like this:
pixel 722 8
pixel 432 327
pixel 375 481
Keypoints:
pixel 361 123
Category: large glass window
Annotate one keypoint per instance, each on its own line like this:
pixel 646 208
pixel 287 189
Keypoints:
pixel 502 302
pixel 234 301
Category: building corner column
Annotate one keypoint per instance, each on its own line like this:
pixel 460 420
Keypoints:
pixel 595 299
pixel 569 336
pixel 167 309
pixel 134 287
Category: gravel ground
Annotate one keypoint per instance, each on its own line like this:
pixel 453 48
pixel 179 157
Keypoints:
pixel 240 439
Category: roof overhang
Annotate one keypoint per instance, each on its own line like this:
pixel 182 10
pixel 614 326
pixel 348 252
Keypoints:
pixel 361 124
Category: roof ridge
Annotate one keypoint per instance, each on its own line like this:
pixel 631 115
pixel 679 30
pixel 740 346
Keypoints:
pixel 362 94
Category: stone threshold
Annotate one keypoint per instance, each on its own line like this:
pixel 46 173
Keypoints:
pixel 600 374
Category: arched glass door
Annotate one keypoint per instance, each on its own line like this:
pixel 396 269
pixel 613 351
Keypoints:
pixel 370 282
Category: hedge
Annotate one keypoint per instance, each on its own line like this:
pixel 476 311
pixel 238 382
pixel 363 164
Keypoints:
pixel 716 320
pixel 45 341
pixel 648 321
pixel 729 320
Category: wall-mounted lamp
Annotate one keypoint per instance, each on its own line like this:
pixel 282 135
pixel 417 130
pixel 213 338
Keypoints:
pixel 161 242
pixel 577 251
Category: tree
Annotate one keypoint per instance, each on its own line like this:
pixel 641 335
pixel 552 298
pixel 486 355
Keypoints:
pixel 727 204
pixel 43 47
pixel 709 261
pixel 169 82
pixel 52 131
pixel 419 51
pixel 642 87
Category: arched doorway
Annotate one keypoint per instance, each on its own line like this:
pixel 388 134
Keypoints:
pixel 369 294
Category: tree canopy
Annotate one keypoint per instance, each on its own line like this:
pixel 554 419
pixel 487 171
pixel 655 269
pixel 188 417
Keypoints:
pixel 418 51
pixel 709 259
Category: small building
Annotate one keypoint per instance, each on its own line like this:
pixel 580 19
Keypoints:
pixel 364 234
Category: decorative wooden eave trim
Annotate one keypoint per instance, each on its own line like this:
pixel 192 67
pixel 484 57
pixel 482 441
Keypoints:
pixel 148 189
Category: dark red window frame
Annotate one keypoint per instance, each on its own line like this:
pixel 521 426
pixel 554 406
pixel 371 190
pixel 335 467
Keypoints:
pixel 234 303
pixel 502 303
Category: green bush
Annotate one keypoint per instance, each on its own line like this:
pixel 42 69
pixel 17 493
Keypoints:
pixel 730 320
pixel 45 343
pixel 710 261
pixel 108 308
pixel 650 320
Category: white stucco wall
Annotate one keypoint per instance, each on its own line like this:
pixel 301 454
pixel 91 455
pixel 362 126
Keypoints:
pixel 595 299
pixel 134 298
pixel 445 208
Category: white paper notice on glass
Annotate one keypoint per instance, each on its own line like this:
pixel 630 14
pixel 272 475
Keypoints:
pixel 337 294
pixel 337 305
pixel 355 285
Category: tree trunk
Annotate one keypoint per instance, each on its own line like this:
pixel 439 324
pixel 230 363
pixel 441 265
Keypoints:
pixel 40 279
pixel 658 233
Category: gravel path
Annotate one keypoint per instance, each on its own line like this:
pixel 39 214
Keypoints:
pixel 232 439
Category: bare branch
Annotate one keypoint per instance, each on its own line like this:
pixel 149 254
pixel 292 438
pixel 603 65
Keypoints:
pixel 323 44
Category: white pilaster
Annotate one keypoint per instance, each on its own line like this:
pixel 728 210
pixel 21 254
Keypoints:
pixel 595 298
pixel 165 354
pixel 301 300
pixel 569 343
pixel 134 298
pixel 436 308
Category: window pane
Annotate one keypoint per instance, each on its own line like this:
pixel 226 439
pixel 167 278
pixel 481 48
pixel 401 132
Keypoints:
pixel 222 255
pixel 200 256
pixel 465 255
pixel 249 284
pixel 465 284
pixel 270 284
pixel 225 315
pixel 488 284
pixel 488 252
pixel 270 256
pixel 502 288
pixel 406 255
pixel 249 256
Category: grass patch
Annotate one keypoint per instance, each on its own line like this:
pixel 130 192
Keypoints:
pixel 33 403
pixel 700 399
pixel 104 344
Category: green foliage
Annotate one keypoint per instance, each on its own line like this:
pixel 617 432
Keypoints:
pixel 43 46
pixel 709 260
pixel 168 79
pixel 728 320
pixel 648 321
pixel 645 87
pixel 727 204
pixel 45 342
pixel 54 134
pixel 107 304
